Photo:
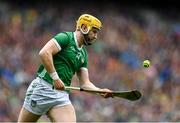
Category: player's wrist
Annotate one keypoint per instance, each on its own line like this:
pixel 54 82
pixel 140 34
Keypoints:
pixel 54 76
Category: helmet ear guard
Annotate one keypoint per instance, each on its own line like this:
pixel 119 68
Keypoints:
pixel 83 31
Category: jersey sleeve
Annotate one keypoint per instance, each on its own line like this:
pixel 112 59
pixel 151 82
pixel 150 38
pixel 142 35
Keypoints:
pixel 62 39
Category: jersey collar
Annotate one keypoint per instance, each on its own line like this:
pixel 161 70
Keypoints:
pixel 76 41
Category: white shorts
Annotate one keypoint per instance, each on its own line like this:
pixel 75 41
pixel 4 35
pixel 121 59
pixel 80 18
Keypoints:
pixel 40 97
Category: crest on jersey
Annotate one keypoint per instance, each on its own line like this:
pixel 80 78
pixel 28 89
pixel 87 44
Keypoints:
pixel 33 103
pixel 82 60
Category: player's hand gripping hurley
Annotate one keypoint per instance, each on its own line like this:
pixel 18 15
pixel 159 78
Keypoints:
pixel 132 95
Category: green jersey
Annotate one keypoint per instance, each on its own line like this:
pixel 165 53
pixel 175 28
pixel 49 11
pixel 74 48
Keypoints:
pixel 68 60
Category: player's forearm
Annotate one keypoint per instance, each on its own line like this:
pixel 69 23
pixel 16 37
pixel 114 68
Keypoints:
pixel 89 85
pixel 47 60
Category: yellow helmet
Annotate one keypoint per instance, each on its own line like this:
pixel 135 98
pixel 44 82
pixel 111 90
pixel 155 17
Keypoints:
pixel 88 20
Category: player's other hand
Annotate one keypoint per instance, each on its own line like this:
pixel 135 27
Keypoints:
pixel 107 93
pixel 58 84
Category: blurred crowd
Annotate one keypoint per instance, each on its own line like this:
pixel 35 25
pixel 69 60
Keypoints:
pixel 128 37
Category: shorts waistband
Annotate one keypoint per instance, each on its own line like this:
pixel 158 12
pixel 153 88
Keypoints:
pixel 45 82
pixel 48 84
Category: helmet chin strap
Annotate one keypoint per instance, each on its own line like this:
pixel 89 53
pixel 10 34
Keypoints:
pixel 85 36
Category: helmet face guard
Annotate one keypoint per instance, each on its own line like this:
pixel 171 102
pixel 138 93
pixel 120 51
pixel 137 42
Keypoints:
pixel 89 21
pixel 87 41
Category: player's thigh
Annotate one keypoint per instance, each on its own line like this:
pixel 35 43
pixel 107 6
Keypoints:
pixel 64 113
pixel 26 116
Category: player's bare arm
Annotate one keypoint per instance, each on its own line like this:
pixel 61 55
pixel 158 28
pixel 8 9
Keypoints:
pixel 85 83
pixel 46 55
